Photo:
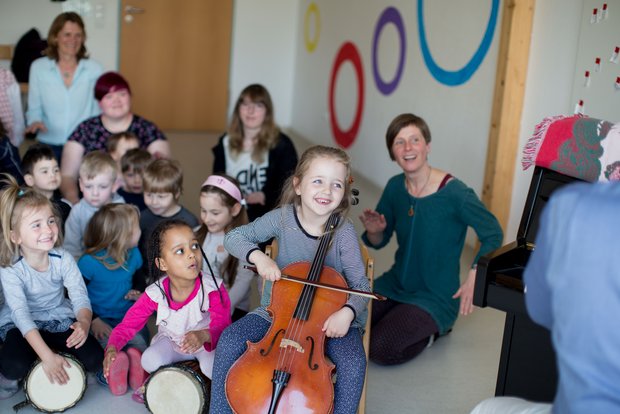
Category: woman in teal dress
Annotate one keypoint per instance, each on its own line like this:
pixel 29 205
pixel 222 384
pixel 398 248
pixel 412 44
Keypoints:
pixel 430 211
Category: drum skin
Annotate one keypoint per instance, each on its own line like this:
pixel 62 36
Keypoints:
pixel 178 388
pixel 53 398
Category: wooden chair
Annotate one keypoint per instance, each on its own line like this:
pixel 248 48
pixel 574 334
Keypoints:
pixel 369 263
pixel 272 251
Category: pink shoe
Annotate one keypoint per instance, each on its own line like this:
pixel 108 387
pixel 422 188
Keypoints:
pixel 137 375
pixel 138 394
pixel 117 379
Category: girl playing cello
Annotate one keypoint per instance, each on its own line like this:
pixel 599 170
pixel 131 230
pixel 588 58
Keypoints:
pixel 319 187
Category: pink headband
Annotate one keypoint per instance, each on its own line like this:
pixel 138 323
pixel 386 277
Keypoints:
pixel 224 184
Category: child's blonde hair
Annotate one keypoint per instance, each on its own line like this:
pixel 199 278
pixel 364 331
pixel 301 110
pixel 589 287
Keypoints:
pixel 14 201
pixel 163 176
pixel 110 229
pixel 228 270
pixel 289 196
pixel 98 162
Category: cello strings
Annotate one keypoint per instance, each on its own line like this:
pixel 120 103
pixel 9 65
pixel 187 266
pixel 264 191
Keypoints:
pixel 307 296
pixel 296 324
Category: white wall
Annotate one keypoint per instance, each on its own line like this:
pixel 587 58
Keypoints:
pixel 551 68
pixel 458 116
pixel 263 51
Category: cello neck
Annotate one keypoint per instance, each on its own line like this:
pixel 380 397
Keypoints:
pixel 304 305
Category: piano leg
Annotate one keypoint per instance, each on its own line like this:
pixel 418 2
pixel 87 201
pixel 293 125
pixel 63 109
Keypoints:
pixel 527 366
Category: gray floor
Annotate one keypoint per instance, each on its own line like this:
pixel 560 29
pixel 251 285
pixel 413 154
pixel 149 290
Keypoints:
pixel 459 370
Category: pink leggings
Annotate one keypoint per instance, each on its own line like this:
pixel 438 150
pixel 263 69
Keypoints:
pixel 162 352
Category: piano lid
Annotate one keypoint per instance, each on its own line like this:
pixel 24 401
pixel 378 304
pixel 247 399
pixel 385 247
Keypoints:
pixel 544 183
pixel 499 282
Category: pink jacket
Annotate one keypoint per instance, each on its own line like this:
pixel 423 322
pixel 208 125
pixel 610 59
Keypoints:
pixel 137 316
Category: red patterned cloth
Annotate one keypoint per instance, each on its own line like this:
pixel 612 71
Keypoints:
pixel 578 146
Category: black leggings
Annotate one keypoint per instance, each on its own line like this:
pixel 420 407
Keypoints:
pixel 399 332
pixel 17 356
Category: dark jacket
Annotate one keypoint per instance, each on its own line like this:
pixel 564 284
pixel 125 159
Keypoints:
pixel 282 163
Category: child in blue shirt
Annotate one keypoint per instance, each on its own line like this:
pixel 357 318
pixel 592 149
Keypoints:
pixel 110 260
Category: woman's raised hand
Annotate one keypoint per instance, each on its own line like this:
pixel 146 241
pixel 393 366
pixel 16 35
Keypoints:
pixel 373 222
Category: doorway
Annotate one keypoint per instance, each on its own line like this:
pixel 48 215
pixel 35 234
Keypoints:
pixel 176 57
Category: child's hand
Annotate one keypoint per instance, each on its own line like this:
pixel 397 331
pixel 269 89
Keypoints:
pixel 101 330
pixel 194 340
pixel 265 266
pixel 79 335
pixel 54 369
pixel 338 323
pixel 110 356
pixel 132 294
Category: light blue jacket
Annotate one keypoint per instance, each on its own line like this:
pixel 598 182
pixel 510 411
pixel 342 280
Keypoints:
pixel 61 109
pixel 573 288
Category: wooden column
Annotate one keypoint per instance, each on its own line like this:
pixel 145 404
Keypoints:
pixel 512 62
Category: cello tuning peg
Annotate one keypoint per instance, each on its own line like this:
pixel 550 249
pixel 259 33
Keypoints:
pixel 355 191
pixel 355 201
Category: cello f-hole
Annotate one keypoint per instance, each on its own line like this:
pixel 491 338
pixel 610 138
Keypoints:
pixel 273 341
pixel 311 365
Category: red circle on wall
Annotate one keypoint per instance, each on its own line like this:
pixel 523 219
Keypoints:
pixel 347 52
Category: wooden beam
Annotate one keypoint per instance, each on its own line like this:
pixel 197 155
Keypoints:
pixel 512 63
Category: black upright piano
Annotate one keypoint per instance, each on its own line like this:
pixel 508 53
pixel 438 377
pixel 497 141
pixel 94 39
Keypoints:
pixel 527 366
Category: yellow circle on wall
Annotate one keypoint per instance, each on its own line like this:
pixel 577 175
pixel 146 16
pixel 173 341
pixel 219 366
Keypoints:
pixel 311 43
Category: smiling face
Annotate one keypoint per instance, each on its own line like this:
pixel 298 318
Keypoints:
pixel 410 150
pixel 45 176
pixel 252 114
pixel 215 214
pixel 116 104
pixel 322 187
pixel 70 39
pixel 37 230
pixel 180 254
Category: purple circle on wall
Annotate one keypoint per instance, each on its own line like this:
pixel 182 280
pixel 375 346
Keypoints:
pixel 389 15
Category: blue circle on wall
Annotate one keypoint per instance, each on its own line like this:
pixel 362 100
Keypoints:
pixel 457 77
pixel 389 15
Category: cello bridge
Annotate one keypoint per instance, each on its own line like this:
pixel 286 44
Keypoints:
pixel 293 344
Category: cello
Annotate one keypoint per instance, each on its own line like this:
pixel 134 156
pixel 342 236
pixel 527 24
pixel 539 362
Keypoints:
pixel 287 371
